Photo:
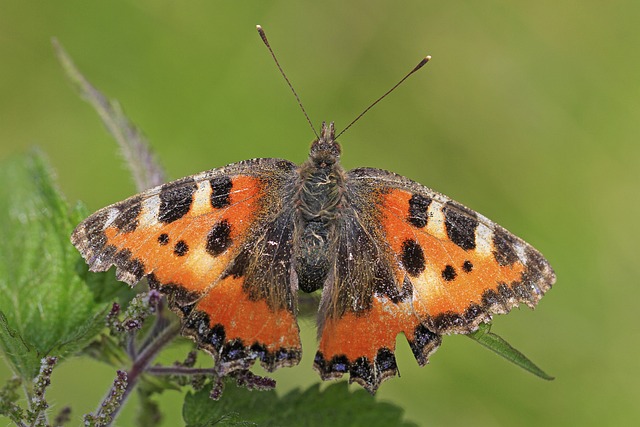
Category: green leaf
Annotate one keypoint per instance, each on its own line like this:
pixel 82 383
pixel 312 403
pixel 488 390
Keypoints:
pixel 498 345
pixel 335 406
pixel 47 308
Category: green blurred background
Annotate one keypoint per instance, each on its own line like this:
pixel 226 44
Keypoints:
pixel 529 113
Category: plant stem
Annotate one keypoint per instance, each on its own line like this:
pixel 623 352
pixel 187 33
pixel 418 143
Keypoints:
pixel 160 324
pixel 180 370
pixel 144 358
pixel 131 346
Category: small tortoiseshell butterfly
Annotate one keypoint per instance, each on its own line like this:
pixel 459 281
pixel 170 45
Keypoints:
pixel 231 247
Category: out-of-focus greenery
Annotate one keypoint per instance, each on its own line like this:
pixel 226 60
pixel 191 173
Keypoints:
pixel 528 112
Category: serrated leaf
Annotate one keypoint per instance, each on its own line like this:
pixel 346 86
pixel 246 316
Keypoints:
pixel 334 406
pixel 498 345
pixel 47 306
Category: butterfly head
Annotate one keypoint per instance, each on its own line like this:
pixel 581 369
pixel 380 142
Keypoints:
pixel 325 150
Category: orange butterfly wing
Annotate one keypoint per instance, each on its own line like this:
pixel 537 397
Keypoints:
pixel 198 240
pixel 441 268
pixel 463 267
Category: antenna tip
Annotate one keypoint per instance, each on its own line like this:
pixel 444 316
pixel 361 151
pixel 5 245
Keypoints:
pixel 263 36
pixel 421 64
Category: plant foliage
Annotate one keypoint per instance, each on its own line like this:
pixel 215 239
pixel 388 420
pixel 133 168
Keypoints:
pixel 333 406
pixel 47 303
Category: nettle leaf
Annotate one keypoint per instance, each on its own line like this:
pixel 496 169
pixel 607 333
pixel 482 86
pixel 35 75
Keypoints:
pixel 47 307
pixel 335 405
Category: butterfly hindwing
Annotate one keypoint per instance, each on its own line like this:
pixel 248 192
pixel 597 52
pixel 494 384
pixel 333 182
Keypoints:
pixel 212 243
pixel 366 302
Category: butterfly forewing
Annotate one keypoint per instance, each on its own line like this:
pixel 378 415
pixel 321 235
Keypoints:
pixel 208 243
pixel 462 267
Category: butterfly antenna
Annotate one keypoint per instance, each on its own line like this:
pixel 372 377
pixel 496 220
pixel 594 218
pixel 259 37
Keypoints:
pixel 416 68
pixel 263 36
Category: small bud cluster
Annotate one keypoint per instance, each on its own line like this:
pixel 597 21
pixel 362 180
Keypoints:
pixel 217 389
pixel 252 381
pixel 140 307
pixel 110 404
pixel 112 318
pixel 38 404
pixel 246 379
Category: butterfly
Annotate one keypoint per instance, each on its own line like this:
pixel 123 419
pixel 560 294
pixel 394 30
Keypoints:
pixel 232 247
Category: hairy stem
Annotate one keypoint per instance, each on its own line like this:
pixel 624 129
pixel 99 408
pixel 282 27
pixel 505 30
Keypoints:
pixel 180 370
pixel 141 363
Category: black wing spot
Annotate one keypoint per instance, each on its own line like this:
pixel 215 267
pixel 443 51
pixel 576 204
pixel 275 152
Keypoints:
pixel 219 238
pixel 467 266
pixel 175 200
pixel 413 257
pixel 449 273
pixel 461 224
pixel 181 248
pixel 163 239
pixel 221 192
pixel 418 206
